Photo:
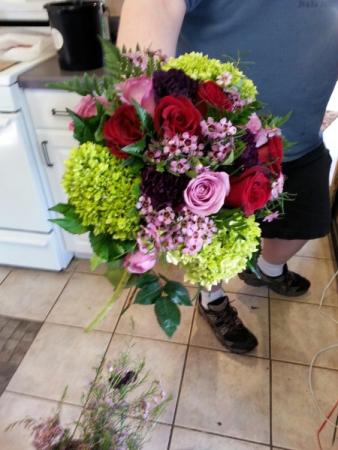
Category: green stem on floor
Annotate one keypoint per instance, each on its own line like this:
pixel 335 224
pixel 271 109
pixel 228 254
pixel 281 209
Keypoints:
pixel 105 310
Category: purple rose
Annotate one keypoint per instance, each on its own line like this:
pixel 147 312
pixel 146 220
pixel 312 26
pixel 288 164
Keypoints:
pixel 139 89
pixel 206 193
pixel 87 107
pixel 139 262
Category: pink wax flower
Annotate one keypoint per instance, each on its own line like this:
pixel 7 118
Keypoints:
pixel 272 216
pixel 87 107
pixel 254 125
pixel 139 89
pixel 206 193
pixel 277 187
pixel 139 262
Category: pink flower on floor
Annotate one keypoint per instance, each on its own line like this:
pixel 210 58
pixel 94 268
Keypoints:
pixel 206 193
pixel 139 89
pixel 139 262
pixel 87 107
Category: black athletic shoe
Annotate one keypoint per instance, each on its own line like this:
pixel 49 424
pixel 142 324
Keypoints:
pixel 227 326
pixel 290 284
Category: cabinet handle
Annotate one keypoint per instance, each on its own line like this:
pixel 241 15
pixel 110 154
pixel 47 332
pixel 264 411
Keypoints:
pixel 59 112
pixel 46 154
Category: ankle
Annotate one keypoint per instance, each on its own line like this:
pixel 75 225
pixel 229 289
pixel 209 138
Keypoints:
pixel 210 296
pixel 269 269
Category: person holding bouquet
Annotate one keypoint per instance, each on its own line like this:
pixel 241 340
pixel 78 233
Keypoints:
pixel 290 51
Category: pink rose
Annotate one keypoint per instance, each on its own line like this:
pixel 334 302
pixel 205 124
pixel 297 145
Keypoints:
pixel 87 107
pixel 206 193
pixel 139 262
pixel 139 89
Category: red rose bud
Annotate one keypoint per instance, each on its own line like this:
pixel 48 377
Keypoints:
pixel 176 115
pixel 210 93
pixel 271 155
pixel 121 129
pixel 250 191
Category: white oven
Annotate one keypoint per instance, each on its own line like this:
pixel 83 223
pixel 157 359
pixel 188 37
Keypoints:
pixel 27 238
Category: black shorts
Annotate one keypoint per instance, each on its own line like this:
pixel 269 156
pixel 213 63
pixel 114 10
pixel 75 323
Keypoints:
pixel 307 216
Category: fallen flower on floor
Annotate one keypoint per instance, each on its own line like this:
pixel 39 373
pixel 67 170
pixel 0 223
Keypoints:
pixel 112 418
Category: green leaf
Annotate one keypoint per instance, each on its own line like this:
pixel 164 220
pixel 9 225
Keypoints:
pixel 145 279
pixel 87 84
pixel 135 149
pixel 71 222
pixel 135 163
pixel 168 315
pixel 61 208
pixel 84 128
pixel 109 249
pixel 142 115
pixel 112 59
pixel 177 293
pixel 148 294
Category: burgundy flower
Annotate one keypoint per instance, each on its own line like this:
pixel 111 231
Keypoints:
pixel 174 82
pixel 163 188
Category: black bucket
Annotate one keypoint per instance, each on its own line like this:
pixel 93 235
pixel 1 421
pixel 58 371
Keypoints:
pixel 76 26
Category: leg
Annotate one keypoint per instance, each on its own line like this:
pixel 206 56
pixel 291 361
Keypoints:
pixel 306 217
pixel 279 251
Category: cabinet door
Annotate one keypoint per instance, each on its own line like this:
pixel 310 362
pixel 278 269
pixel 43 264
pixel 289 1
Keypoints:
pixel 55 146
pixel 22 205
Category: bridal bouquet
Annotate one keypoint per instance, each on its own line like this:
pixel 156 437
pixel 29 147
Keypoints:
pixel 174 163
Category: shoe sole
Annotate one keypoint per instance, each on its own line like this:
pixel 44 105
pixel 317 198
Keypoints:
pixel 259 283
pixel 220 340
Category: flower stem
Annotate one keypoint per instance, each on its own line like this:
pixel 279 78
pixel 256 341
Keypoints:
pixel 106 308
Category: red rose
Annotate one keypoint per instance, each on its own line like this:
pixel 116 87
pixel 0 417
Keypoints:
pixel 250 191
pixel 271 155
pixel 209 92
pixel 121 129
pixel 176 115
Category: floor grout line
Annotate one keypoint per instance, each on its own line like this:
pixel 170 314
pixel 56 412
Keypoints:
pixel 227 436
pixel 39 397
pixel 6 276
pixel 182 377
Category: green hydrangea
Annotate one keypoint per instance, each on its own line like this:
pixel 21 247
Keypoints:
pixel 226 255
pixel 201 67
pixel 103 192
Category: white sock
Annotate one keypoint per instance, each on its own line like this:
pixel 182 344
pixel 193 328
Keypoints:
pixel 271 270
pixel 209 296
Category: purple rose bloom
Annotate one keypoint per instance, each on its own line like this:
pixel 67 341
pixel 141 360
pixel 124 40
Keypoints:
pixel 206 193
pixel 174 82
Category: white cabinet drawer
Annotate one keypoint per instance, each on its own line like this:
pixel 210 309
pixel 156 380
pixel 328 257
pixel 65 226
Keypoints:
pixel 40 251
pixel 48 107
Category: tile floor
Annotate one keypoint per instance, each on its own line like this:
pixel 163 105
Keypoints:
pixel 220 401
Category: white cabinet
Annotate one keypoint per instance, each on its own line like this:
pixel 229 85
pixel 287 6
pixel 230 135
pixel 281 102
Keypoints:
pixel 22 205
pixel 54 143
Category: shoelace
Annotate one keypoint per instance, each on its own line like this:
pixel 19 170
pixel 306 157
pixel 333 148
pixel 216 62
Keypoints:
pixel 228 319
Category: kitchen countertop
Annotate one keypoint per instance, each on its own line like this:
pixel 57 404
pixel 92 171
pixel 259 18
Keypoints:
pixel 49 72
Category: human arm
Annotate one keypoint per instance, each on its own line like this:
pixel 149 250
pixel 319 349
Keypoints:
pixel 151 23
